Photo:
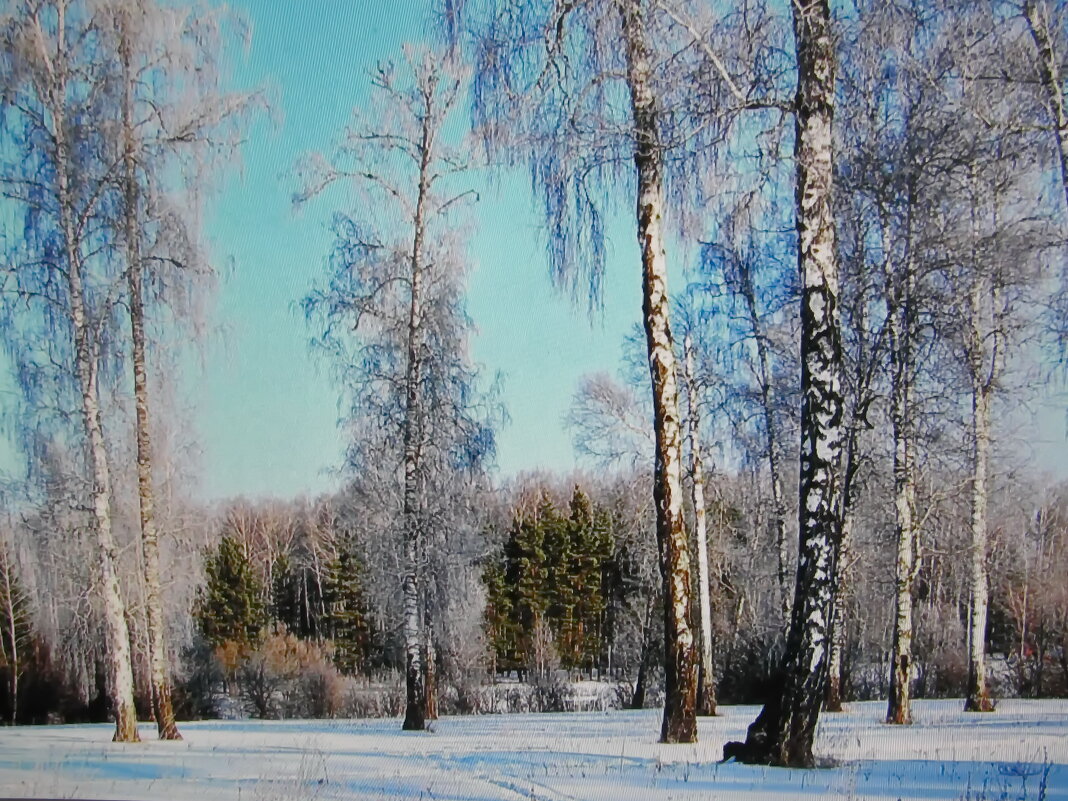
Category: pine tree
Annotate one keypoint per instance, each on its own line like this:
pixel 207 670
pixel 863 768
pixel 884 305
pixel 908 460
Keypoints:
pixel 580 581
pixel 561 589
pixel 230 607
pixel 285 600
pixel 597 555
pixel 500 621
pixel 527 565
pixel 348 622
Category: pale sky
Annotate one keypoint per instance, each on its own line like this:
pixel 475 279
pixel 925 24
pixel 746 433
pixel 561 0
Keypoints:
pixel 266 409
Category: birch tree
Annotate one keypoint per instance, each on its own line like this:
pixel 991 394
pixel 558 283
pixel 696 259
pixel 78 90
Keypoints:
pixel 174 120
pixel 890 166
pixel 596 102
pixel 397 282
pixel 783 733
pixel 706 691
pixel 759 325
pixel 1046 22
pixel 609 424
pixel 54 79
pixel 1000 246
pixel 16 628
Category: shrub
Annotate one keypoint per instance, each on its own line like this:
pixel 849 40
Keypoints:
pixel 283 676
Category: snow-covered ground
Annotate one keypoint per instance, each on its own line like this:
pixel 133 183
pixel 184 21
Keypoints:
pixel 1020 751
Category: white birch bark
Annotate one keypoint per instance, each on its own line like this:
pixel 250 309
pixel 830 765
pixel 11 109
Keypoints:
pixel 706 691
pixel 899 708
pixel 978 699
pixel 12 658
pixel 679 723
pixel 162 707
pixel 120 673
pixel 415 646
pixel 783 733
pixel 836 660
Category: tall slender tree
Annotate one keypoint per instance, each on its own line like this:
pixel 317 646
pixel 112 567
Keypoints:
pixel 398 283
pixel 784 731
pixel 174 120
pixel 999 241
pixel 595 102
pixel 1045 23
pixel 706 690
pixel 55 75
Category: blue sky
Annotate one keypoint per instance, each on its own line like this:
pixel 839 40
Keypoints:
pixel 267 407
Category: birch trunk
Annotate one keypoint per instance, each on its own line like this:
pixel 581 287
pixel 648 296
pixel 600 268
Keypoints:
pixel 778 498
pixel 162 707
pixel 899 709
pixel 120 673
pixel 836 677
pixel 637 700
pixel 1037 14
pixel 416 662
pixel 680 669
pixel 865 366
pixel 706 689
pixel 117 642
pixel 978 699
pixel 430 662
pixel 12 659
pixel 836 669
pixel 783 733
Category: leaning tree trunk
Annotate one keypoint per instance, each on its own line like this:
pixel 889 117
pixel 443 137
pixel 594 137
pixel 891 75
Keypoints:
pixel 117 640
pixel 1038 23
pixel 416 658
pixel 680 669
pixel 836 660
pixel 865 365
pixel 784 731
pixel 162 707
pixel 637 700
pixel 706 688
pixel 899 708
pixel 771 430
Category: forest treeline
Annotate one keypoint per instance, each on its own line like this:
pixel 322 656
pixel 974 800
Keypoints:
pixel 805 482
pixel 288 613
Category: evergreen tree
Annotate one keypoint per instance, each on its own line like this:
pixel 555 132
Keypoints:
pixel 285 595
pixel 230 606
pixel 501 628
pixel 555 571
pixel 595 566
pixel 560 589
pixel 528 573
pixel 348 620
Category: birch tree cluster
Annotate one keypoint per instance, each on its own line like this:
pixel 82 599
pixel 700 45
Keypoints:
pixel 111 115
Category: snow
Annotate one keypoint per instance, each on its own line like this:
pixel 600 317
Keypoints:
pixel 946 754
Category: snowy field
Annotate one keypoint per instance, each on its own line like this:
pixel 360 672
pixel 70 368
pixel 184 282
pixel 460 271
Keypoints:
pixel 1020 751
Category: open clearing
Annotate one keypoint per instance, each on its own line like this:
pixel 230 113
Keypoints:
pixel 1020 751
